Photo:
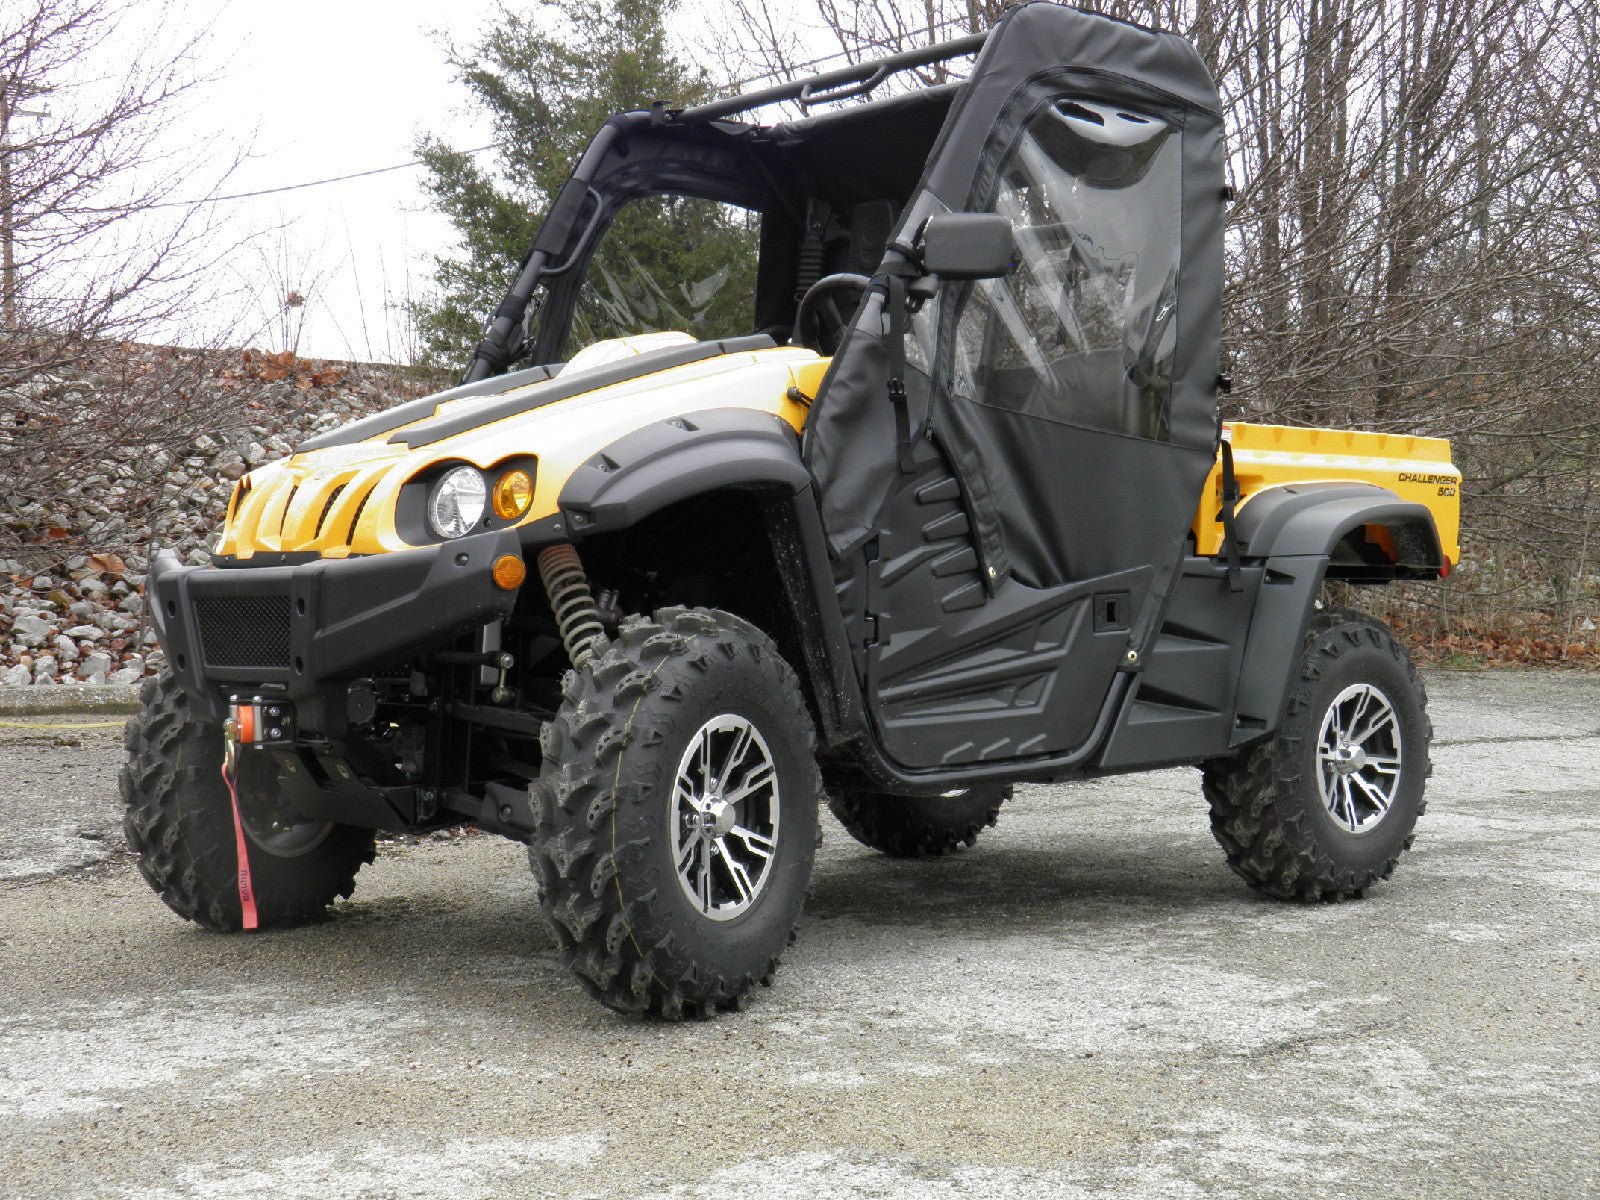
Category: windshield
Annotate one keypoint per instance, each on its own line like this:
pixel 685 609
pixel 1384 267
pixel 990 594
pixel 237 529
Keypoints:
pixel 671 263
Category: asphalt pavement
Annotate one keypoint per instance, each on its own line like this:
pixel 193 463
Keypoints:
pixel 1088 1004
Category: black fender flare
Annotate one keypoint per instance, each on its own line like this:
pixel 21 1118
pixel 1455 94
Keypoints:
pixel 684 456
pixel 1314 518
pixel 713 450
pixel 1294 531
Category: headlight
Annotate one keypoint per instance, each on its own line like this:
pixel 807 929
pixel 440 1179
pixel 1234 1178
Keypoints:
pixel 457 503
pixel 513 492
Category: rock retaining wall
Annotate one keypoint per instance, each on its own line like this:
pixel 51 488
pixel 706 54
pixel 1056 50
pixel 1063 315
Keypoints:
pixel 73 564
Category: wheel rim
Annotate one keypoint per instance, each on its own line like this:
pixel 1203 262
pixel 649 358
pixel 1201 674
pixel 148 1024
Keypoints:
pixel 281 839
pixel 264 822
pixel 1359 758
pixel 724 817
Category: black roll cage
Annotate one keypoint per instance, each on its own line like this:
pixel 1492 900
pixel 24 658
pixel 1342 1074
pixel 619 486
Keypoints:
pixel 583 208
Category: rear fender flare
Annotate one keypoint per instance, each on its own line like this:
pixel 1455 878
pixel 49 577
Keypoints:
pixel 1315 518
pixel 1296 532
pixel 673 460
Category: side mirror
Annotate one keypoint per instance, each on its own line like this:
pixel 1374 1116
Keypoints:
pixel 967 246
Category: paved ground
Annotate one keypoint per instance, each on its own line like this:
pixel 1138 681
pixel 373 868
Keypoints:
pixel 1088 1005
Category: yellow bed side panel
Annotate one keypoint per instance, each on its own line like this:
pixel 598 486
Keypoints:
pixel 1266 456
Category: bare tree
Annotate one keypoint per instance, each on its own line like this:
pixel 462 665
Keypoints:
pixel 109 238
pixel 1414 246
pixel 768 40
pixel 287 281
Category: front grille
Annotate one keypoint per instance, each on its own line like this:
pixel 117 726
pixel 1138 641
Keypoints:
pixel 244 631
pixel 350 533
pixel 322 521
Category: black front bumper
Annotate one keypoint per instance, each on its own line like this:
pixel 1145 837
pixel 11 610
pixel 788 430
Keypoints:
pixel 290 630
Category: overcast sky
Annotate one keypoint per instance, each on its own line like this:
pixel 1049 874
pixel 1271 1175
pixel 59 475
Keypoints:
pixel 330 87
pixel 316 89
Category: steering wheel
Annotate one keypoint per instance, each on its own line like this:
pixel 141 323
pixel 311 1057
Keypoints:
pixel 819 322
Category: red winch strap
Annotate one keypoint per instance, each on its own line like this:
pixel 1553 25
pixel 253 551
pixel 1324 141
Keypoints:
pixel 247 892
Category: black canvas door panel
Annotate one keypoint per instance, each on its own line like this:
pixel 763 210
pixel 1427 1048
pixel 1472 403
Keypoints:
pixel 1040 55
pixel 1071 409
pixel 1075 503
pixel 955 675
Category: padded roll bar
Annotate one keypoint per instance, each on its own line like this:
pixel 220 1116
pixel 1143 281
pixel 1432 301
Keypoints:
pixel 842 84
pixel 501 338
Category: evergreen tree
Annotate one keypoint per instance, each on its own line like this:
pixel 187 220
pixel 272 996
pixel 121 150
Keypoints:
pixel 548 76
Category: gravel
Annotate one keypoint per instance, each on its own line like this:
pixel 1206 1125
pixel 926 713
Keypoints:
pixel 1085 1005
pixel 71 602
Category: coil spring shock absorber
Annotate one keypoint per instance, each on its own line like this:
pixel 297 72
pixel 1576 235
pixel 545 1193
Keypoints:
pixel 567 587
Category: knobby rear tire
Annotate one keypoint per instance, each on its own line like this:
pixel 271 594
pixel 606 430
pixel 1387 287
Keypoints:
pixel 1267 811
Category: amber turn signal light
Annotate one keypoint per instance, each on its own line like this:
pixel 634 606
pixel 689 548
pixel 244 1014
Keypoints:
pixel 513 492
pixel 509 571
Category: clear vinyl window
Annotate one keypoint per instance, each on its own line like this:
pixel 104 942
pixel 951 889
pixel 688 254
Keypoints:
pixel 671 263
pixel 1084 330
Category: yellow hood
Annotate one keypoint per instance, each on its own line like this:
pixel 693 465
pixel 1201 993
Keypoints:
pixel 340 500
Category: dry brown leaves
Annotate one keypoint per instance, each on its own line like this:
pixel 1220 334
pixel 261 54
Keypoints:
pixel 1471 644
pixel 262 366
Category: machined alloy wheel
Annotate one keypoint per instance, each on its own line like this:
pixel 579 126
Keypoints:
pixel 726 811
pixel 676 814
pixel 1325 807
pixel 1360 751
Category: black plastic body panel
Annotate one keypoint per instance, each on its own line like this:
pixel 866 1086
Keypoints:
pixel 1313 518
pixel 1183 707
pixel 1026 674
pixel 1283 609
pixel 423 407
pixel 1216 678
pixel 963 667
pixel 682 457
pixel 342 614
pixel 573 384
pixel 266 558
pixel 804 571
pixel 850 742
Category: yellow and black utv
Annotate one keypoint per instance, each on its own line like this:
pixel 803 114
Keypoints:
pixel 942 506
